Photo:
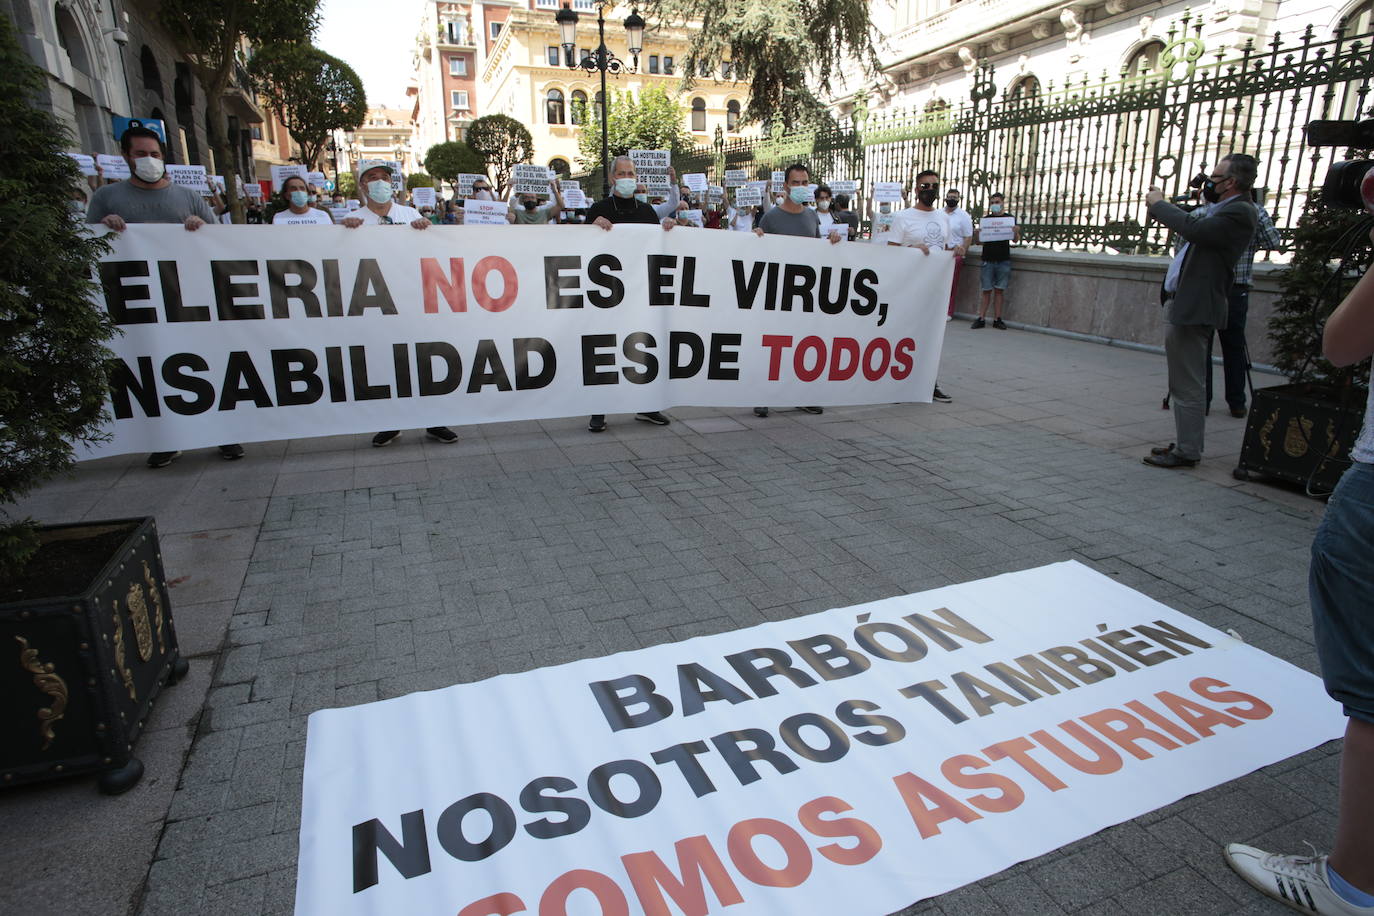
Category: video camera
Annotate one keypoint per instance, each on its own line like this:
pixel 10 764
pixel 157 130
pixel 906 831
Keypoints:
pixel 1349 183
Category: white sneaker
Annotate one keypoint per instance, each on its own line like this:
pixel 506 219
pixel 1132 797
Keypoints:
pixel 1299 881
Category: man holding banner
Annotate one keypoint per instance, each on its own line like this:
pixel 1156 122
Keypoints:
pixel 622 207
pixel 374 185
pixel 792 217
pixel 150 197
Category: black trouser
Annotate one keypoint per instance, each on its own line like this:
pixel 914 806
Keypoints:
pixel 1235 356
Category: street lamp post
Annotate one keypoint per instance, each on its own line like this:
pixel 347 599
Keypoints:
pixel 604 61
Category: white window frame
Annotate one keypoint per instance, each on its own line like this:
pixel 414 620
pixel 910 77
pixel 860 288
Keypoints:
pixel 462 65
pixel 494 29
pixel 457 104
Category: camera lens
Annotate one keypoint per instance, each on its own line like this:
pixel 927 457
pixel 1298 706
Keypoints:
pixel 1350 184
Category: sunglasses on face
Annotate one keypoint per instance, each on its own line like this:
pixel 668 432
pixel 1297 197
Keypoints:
pixel 929 186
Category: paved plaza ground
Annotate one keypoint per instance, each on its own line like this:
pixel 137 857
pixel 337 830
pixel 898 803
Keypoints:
pixel 324 572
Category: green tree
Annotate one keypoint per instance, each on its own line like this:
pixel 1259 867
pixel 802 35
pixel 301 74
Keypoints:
pixel 789 51
pixel 446 161
pixel 54 367
pixel 347 184
pixel 209 36
pixel 1311 290
pixel 419 180
pixel 502 142
pixel 312 92
pixel 653 120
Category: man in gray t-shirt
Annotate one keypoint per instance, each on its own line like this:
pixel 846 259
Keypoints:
pixel 792 217
pixel 150 197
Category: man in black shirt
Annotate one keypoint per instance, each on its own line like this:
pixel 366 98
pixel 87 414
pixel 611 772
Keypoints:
pixel 996 270
pixel 620 206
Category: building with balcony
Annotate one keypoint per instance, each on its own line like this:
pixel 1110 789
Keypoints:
pixel 387 133
pixel 446 58
pixel 526 77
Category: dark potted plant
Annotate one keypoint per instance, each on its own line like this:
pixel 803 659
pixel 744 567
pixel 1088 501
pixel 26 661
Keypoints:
pixel 86 637
pixel 1301 432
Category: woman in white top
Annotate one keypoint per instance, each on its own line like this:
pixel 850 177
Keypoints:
pixel 299 212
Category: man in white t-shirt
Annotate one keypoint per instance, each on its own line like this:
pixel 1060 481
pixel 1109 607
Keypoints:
pixel 374 187
pixel 926 228
pixel 299 212
pixel 960 236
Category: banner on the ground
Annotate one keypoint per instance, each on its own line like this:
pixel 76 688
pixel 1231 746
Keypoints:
pixel 245 333
pixel 852 761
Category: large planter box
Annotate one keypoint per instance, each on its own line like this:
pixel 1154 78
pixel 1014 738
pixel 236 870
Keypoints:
pixel 1300 434
pixel 79 673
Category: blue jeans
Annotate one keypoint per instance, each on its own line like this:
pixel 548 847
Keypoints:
pixel 1340 584
pixel 995 274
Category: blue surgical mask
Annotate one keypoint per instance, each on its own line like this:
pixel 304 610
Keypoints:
pixel 995 208
pixel 642 198
pixel 299 198
pixel 799 194
pixel 625 187
pixel 379 191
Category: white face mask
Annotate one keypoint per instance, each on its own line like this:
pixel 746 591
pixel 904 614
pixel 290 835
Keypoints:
pixel 822 205
pixel 481 195
pixel 149 169
pixel 379 191
pixel 625 187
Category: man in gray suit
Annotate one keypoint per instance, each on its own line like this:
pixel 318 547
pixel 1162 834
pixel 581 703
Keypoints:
pixel 1195 294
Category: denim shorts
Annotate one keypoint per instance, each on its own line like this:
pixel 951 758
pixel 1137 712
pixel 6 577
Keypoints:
pixel 1340 584
pixel 995 274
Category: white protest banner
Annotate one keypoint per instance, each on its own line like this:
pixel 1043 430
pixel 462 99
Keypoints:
pixel 188 176
pixel 253 190
pixel 890 191
pixel 531 179
pixel 734 178
pixel 423 197
pixel 690 216
pixel 695 182
pixel 353 203
pixel 218 182
pixel 575 200
pixel 85 163
pixel 996 229
pixel 339 213
pixel 848 762
pixel 282 172
pixel 843 186
pixel 465 182
pixel 112 167
pixel 324 330
pixel 485 212
pixel 779 180
pixel 567 184
pixel 748 197
pixel 651 167
pixel 315 178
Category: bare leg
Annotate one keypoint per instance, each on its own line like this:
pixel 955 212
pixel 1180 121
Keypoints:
pixel 997 295
pixel 1353 856
pixel 987 300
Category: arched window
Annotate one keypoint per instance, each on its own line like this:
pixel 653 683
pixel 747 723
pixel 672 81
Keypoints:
pixel 699 115
pixel 732 115
pixel 1024 91
pixel 554 106
pixel 561 167
pixel 1360 20
pixel 1143 62
pixel 578 108
pixel 152 79
pixel 69 38
pixel 1023 142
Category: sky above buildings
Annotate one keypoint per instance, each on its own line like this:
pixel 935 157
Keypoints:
pixel 377 40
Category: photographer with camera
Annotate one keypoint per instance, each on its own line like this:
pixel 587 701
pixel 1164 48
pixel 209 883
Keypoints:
pixel 1196 293
pixel 1341 589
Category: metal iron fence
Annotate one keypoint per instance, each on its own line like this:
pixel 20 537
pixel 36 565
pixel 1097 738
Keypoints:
pixel 1075 161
